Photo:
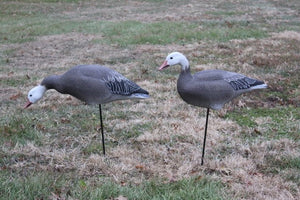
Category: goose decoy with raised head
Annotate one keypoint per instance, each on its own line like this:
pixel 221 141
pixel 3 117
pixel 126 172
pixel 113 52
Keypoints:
pixel 210 89
pixel 93 84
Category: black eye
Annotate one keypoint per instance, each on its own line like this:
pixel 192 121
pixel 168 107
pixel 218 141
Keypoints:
pixel 171 58
pixel 30 95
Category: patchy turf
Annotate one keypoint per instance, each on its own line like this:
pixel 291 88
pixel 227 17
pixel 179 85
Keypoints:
pixel 253 143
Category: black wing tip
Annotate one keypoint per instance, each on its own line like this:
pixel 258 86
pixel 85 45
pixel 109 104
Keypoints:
pixel 141 90
pixel 125 87
pixel 254 82
pixel 245 83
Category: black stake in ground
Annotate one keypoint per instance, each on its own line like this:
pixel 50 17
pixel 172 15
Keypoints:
pixel 204 140
pixel 101 127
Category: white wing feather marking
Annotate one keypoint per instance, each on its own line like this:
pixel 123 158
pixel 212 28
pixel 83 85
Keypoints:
pixel 118 84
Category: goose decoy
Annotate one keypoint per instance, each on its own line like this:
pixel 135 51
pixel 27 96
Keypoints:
pixel 210 89
pixel 93 84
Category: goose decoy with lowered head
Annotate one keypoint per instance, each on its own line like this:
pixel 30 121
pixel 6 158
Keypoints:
pixel 210 89
pixel 93 84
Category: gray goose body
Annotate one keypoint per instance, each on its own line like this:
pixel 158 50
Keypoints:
pixel 210 89
pixel 93 84
pixel 213 88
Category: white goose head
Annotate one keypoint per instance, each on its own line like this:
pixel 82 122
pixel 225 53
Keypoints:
pixel 35 94
pixel 174 59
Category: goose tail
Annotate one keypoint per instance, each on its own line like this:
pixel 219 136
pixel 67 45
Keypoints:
pixel 139 96
pixel 261 86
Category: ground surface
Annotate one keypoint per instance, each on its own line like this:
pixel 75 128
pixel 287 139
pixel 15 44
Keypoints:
pixel 253 143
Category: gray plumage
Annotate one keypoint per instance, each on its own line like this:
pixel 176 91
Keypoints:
pixel 213 88
pixel 209 88
pixel 95 84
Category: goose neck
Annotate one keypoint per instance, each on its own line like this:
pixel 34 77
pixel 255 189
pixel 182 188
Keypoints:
pixel 184 64
pixel 50 82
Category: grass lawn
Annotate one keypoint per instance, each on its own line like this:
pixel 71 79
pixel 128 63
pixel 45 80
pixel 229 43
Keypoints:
pixel 53 149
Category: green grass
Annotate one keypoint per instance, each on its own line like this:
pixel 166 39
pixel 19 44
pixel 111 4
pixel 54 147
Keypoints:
pixel 274 164
pixel 287 163
pixel 133 132
pixel 24 29
pixel 284 123
pixel 20 129
pixel 47 1
pixel 132 32
pixel 44 186
pixel 29 22
pixel 288 167
pixel 94 147
pixel 225 13
pixel 292 175
pixel 14 82
pixel 32 124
